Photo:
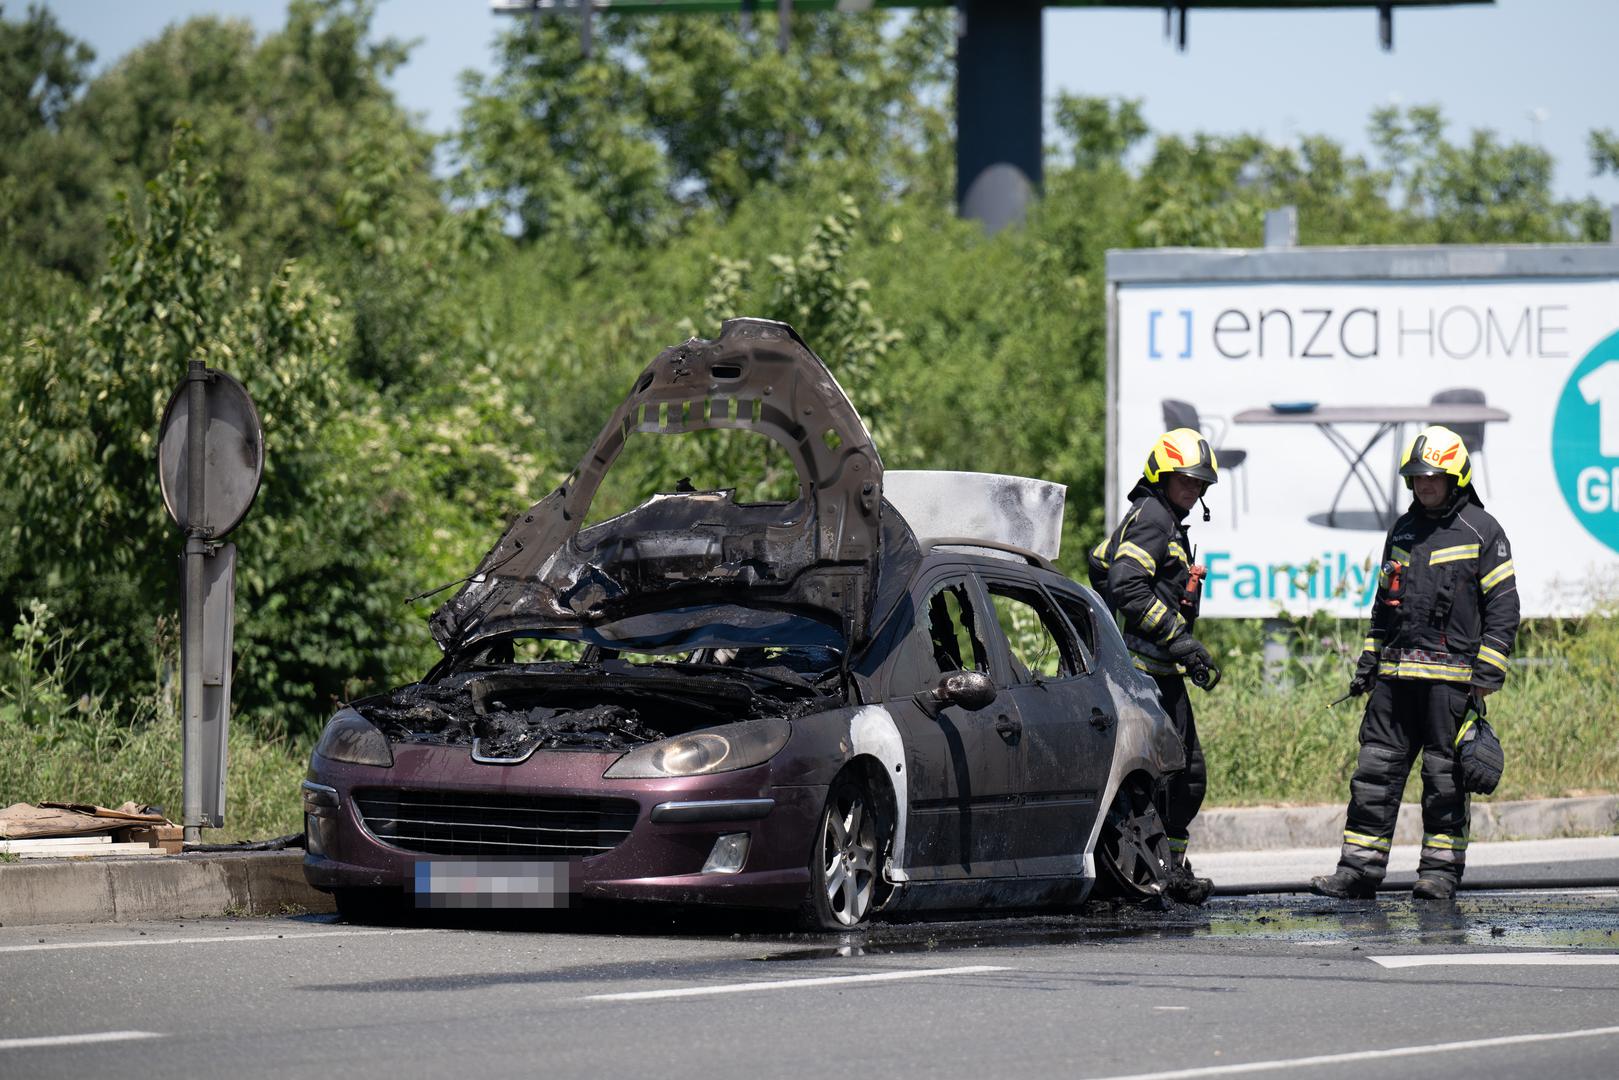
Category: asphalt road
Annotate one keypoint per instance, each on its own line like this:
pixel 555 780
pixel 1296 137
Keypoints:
pixel 1575 862
pixel 1300 986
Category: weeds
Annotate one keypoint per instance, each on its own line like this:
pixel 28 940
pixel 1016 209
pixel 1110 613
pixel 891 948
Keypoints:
pixel 79 749
pixel 1279 742
pixel 1274 742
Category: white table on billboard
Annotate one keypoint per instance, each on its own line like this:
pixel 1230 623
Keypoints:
pixel 1384 419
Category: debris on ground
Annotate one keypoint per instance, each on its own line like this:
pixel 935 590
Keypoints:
pixel 69 830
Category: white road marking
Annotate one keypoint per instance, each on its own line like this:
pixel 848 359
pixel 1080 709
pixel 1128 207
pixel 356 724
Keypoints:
pixel 792 984
pixel 1592 891
pixel 1362 1055
pixel 1170 1008
pixel 1564 959
pixel 77 1040
pixel 125 942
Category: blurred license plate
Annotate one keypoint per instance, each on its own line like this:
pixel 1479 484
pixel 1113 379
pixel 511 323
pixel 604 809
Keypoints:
pixel 486 883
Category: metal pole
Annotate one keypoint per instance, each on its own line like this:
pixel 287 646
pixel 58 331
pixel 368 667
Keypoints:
pixel 784 25
pixel 195 551
pixel 998 88
pixel 1275 650
pixel 586 31
pixel 1282 227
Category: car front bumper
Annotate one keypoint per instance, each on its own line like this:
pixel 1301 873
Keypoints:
pixel 677 823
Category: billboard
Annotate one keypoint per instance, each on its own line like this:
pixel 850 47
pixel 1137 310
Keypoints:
pixel 1312 369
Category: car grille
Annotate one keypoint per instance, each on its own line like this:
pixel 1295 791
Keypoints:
pixel 457 823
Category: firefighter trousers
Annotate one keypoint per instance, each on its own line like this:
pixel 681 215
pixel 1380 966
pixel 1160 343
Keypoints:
pixel 1183 795
pixel 1403 718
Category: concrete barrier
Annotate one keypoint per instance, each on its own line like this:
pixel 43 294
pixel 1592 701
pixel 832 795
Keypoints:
pixel 193 886
pixel 1262 828
pixel 197 885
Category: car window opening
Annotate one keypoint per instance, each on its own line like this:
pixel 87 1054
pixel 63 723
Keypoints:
pixel 1035 636
pixel 953 632
pixel 752 466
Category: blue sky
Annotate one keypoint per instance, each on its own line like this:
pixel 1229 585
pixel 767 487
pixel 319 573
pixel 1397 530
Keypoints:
pixel 1537 70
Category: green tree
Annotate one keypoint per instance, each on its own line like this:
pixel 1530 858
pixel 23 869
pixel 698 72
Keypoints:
pixel 671 115
pixel 53 176
pixel 84 396
pixel 283 123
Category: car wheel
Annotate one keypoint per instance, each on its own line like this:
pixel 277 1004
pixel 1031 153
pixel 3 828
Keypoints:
pixel 1132 853
pixel 376 907
pixel 847 861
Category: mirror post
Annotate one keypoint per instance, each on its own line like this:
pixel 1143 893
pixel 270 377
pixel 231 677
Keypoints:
pixel 196 550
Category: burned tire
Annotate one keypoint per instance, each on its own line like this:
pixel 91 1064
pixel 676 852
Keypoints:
pixel 1132 852
pixel 372 907
pixel 847 858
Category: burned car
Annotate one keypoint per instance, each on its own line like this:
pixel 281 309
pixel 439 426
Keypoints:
pixel 840 704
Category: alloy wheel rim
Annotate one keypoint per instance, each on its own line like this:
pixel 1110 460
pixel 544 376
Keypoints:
pixel 848 860
pixel 1140 831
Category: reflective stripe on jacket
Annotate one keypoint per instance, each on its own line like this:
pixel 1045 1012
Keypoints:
pixel 1141 571
pixel 1458 613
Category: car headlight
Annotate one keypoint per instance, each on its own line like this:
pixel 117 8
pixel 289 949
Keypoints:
pixel 352 738
pixel 715 750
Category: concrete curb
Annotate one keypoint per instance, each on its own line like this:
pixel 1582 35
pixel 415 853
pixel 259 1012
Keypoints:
pixel 1263 828
pixel 198 885
pixel 171 887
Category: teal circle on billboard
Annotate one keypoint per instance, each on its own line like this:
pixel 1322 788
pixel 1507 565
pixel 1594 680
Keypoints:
pixel 1585 441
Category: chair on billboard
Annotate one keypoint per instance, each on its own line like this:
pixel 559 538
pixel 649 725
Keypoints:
pixel 1178 414
pixel 1472 435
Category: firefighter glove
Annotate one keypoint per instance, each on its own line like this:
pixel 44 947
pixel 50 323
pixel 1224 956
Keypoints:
pixel 1365 675
pixel 1189 651
pixel 1479 755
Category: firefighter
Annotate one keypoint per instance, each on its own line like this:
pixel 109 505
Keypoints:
pixel 1443 625
pixel 1145 572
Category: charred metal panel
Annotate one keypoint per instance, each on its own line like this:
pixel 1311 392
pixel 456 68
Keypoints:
pixel 1014 510
pixel 873 733
pixel 1146 740
pixel 820 551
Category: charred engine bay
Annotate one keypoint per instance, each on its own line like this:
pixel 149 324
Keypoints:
pixel 516 710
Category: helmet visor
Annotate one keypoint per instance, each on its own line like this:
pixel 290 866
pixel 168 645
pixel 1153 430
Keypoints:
pixel 1418 467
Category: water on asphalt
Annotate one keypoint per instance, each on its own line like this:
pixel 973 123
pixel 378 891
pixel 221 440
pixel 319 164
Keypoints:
pixel 1540 920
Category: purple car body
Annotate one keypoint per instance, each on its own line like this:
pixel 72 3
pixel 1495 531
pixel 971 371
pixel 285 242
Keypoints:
pixel 798 705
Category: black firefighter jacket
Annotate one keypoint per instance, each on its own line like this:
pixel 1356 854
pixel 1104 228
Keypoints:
pixel 1457 615
pixel 1141 571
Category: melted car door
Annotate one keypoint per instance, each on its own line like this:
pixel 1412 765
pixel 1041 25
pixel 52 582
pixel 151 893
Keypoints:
pixel 962 778
pixel 1067 725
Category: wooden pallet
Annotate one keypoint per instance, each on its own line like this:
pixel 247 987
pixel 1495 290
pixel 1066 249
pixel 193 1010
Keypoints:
pixel 73 847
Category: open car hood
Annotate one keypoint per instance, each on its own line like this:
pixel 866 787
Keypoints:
pixel 819 552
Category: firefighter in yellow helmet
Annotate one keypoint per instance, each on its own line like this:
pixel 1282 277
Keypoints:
pixel 1443 625
pixel 1145 572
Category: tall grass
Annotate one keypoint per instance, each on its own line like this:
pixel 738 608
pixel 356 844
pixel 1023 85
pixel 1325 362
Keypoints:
pixel 60 748
pixel 1266 742
pixel 1279 742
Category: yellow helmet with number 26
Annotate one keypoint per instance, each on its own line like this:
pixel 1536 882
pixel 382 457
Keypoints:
pixel 1437 451
pixel 1183 450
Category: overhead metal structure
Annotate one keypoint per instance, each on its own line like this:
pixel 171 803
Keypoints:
pixel 999 69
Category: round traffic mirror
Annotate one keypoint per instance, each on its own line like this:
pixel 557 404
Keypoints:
pixel 233 455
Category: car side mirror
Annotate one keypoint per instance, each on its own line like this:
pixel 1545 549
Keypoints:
pixel 971 690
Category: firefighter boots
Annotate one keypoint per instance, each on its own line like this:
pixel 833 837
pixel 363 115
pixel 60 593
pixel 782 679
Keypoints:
pixel 1185 887
pixel 1435 887
pixel 1344 885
